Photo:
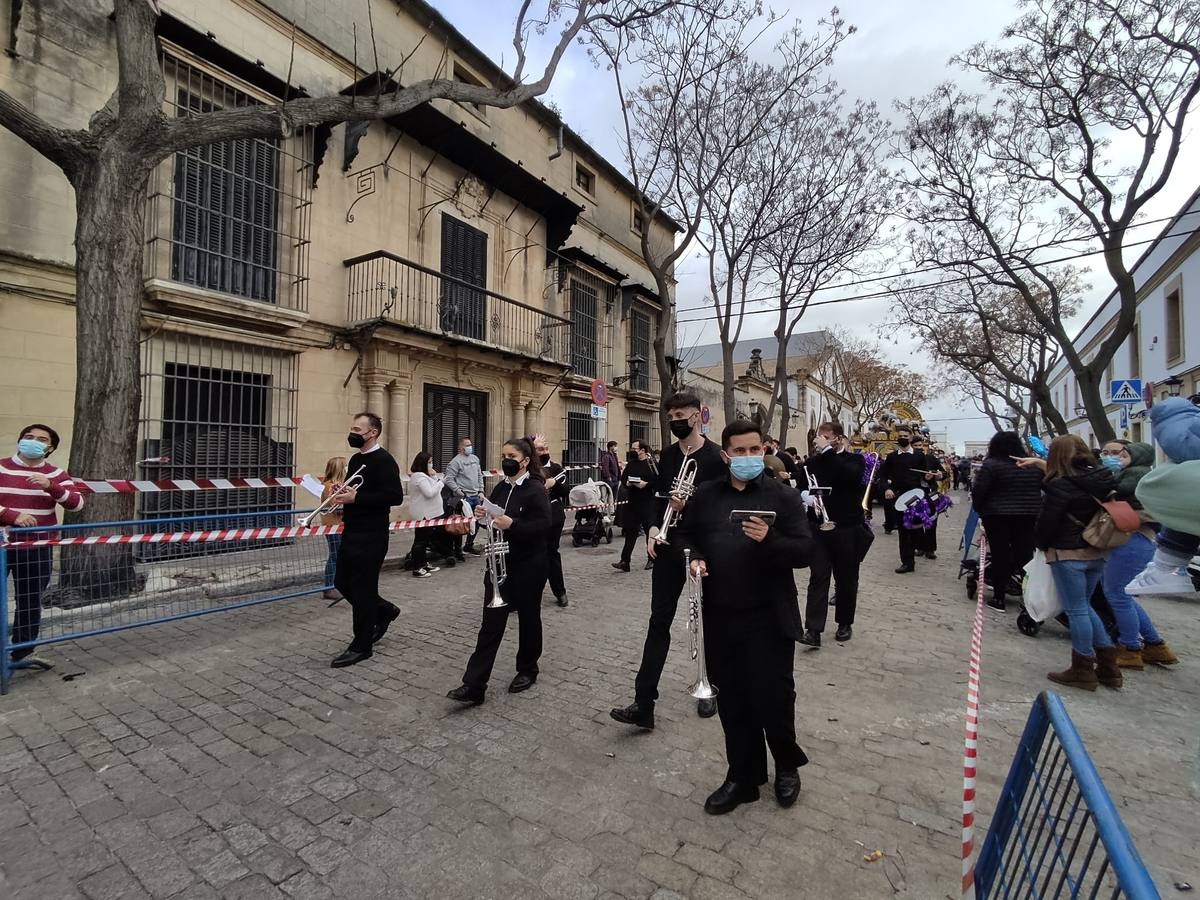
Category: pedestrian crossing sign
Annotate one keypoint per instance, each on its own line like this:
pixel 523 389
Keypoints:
pixel 1128 390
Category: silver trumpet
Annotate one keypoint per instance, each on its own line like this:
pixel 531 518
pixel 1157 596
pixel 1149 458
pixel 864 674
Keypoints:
pixel 330 504
pixel 701 688
pixel 682 487
pixel 814 490
pixel 495 558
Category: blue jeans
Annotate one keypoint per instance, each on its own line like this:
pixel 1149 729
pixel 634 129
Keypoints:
pixel 1076 580
pixel 335 544
pixel 1124 563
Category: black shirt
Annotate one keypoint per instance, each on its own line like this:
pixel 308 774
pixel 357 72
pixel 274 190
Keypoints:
pixel 842 473
pixel 529 508
pixel 560 493
pixel 641 497
pixel 745 576
pixel 902 472
pixel 381 490
pixel 709 467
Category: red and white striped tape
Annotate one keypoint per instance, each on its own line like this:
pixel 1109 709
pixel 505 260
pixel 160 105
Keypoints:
pixel 971 733
pixel 132 486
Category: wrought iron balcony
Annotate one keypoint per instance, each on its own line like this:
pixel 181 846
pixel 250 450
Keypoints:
pixel 383 286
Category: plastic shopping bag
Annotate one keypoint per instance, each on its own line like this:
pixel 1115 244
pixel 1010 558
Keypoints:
pixel 1041 594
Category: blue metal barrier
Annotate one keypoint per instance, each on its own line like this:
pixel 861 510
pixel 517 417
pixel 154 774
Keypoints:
pixel 1056 832
pixel 146 589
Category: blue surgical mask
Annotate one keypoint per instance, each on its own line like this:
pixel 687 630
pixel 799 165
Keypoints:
pixel 1112 462
pixel 468 450
pixel 31 449
pixel 746 468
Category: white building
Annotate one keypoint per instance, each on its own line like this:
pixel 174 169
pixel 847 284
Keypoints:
pixel 1161 344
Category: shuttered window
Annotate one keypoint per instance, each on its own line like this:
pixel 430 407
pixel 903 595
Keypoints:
pixel 451 415
pixel 583 328
pixel 639 430
pixel 639 347
pixel 225 212
pixel 464 259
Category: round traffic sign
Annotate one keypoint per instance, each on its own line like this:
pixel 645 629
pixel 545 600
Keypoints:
pixel 599 392
pixel 705 415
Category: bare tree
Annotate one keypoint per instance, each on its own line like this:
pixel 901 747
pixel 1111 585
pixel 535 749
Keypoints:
pixel 683 78
pixel 875 383
pixel 995 180
pixel 109 162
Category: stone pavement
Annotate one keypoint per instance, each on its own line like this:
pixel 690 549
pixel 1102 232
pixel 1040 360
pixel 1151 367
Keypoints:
pixel 222 757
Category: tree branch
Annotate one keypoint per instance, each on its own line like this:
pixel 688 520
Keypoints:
pixel 67 148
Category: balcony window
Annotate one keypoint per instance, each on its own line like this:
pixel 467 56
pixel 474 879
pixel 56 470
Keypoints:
pixel 464 259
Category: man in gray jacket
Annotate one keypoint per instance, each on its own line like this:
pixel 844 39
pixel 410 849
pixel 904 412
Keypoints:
pixel 464 477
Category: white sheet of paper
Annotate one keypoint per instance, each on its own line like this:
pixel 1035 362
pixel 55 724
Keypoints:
pixel 493 511
pixel 311 485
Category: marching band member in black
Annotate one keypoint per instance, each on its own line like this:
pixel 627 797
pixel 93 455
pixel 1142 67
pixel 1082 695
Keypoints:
pixel 751 615
pixel 683 411
pixel 522 497
pixel 365 512
pixel 558 494
pixel 903 470
pixel 840 551
pixel 639 478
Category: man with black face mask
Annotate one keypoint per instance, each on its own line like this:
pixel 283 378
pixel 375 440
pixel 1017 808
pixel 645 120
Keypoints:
pixel 683 411
pixel 365 512
pixel 903 470
pixel 558 494
pixel 639 479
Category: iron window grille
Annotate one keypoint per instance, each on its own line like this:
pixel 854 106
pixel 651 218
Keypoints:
pixel 639 348
pixel 233 216
pixel 581 443
pixel 591 306
pixel 639 430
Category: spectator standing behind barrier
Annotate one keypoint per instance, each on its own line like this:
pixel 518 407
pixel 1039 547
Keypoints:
pixel 1073 487
pixel 1008 499
pixel 610 466
pixel 424 502
pixel 464 477
pixel 30 490
pixel 1137 642
pixel 365 514
pixel 335 474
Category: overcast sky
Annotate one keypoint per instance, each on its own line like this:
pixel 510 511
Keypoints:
pixel 900 50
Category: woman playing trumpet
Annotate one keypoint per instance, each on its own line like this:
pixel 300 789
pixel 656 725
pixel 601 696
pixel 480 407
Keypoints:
pixel 523 516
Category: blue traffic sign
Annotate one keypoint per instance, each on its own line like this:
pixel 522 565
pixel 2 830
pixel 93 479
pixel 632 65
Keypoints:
pixel 1127 390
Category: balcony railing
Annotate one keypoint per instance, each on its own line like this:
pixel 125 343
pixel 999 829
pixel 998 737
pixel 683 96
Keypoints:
pixel 387 287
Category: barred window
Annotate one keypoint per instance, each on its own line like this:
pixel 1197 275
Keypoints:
pixel 639 347
pixel 639 430
pixel 583 328
pixel 581 445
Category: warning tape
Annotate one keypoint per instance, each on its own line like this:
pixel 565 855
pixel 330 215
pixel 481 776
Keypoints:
pixel 971 733
pixel 132 486
pixel 240 534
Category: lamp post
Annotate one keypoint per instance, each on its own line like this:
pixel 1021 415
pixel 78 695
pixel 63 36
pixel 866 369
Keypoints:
pixel 1174 385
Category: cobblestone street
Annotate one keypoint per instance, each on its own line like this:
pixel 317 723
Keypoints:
pixel 222 757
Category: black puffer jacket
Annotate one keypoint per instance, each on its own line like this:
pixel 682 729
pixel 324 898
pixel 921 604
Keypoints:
pixel 1068 505
pixel 1002 488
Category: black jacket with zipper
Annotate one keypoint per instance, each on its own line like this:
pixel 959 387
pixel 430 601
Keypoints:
pixel 1002 488
pixel 1068 505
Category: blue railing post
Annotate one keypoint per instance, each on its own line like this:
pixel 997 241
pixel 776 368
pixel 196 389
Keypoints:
pixel 5 665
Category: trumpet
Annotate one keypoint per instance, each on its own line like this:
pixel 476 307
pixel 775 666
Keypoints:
pixel 682 487
pixel 866 500
pixel 330 503
pixel 814 491
pixel 495 558
pixel 701 688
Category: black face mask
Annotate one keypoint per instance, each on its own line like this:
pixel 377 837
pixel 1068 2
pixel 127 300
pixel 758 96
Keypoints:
pixel 903 442
pixel 510 467
pixel 544 459
pixel 356 440
pixel 631 456
pixel 681 428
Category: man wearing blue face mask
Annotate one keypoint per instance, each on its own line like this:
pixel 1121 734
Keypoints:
pixel 464 477
pixel 751 614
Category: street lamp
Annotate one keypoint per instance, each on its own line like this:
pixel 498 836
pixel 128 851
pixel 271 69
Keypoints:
pixel 1174 385
pixel 635 371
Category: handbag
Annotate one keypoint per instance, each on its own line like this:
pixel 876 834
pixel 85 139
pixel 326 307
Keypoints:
pixel 1111 525
pixel 1040 594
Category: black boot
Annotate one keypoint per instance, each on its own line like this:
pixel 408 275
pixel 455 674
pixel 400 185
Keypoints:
pixel 811 639
pixel 729 797
pixel 639 714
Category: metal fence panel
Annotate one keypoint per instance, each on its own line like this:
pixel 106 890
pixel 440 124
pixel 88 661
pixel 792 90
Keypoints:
pixel 1056 832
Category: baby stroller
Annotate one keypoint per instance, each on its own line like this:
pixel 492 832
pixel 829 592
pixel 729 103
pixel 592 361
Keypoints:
pixel 969 564
pixel 597 521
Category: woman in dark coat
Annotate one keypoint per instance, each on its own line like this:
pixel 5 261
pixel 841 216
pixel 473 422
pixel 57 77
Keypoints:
pixel 1008 499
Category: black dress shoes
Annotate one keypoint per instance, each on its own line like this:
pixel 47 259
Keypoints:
pixel 522 682
pixel 904 570
pixel 464 694
pixel 349 658
pixel 998 603
pixel 561 600
pixel 707 708
pixel 730 796
pixel 811 639
pixel 649 564
pixel 844 633
pixel 787 786
pixel 385 621
pixel 621 566
pixel 931 555
pixel 635 714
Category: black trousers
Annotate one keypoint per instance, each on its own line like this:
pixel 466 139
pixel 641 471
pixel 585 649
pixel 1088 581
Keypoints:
pixel 891 518
pixel 357 578
pixel 31 570
pixel 667 580
pixel 525 600
pixel 1010 547
pixel 837 555
pixel 750 664
pixel 637 523
pixel 554 570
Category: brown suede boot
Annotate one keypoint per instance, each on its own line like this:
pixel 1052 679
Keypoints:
pixel 1159 654
pixel 1129 659
pixel 1082 673
pixel 1107 672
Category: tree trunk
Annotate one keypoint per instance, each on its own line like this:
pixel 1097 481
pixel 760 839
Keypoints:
pixel 727 380
pixel 109 242
pixel 1050 413
pixel 1089 390
pixel 785 415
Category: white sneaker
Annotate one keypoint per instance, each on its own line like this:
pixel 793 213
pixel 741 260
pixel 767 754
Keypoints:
pixel 422 572
pixel 1160 579
pixel 432 569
